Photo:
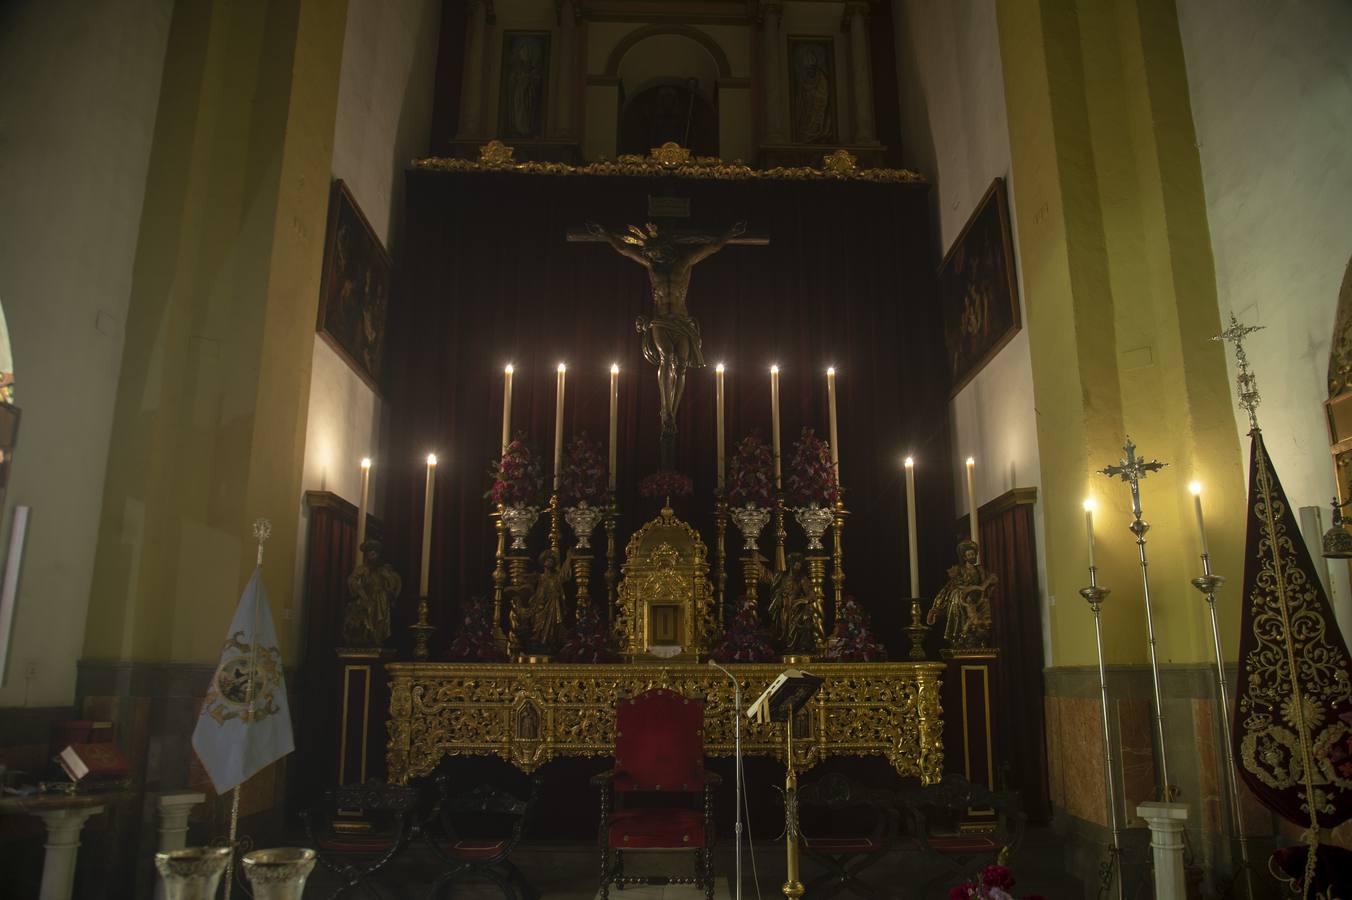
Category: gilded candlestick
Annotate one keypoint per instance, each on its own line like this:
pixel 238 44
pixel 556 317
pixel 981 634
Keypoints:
pixel 916 631
pixel 422 631
pixel 816 573
pixel 499 577
pixel 612 573
pixel 516 574
pixel 780 533
pixel 554 522
pixel 582 575
pixel 720 555
pixel 838 554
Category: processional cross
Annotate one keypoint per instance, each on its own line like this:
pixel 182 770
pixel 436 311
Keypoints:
pixel 1248 386
pixel 671 336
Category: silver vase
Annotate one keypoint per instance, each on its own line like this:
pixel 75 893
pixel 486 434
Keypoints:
pixel 279 873
pixel 751 521
pixel 583 519
pixel 519 520
pixel 814 519
pixel 192 873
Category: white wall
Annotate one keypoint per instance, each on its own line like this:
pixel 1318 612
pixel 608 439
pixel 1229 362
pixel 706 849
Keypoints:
pixel 956 132
pixel 79 90
pixel 1271 89
pixel 384 122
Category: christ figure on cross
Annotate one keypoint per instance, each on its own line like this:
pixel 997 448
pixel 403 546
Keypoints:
pixel 671 338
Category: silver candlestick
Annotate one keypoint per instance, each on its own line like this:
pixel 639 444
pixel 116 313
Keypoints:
pixel 1207 583
pixel 1094 595
pixel 1133 470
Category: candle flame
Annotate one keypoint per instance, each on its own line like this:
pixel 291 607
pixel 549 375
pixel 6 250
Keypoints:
pixel 1195 487
pixel 510 369
pixel 719 368
pixel 614 369
pixel 774 370
pixel 831 370
pixel 909 462
pixel 970 462
pixel 562 368
pixel 1089 504
pixel 366 462
pixel 431 459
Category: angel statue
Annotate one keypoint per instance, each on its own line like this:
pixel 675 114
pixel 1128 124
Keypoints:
pixel 965 600
pixel 791 602
pixel 544 593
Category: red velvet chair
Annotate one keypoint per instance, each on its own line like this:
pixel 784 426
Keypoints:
pixel 659 756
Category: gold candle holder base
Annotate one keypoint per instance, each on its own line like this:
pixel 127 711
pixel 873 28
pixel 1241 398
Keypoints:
pixel 916 631
pixel 720 558
pixel 499 579
pixel 554 522
pixel 422 632
pixel 582 566
pixel 516 577
pixel 816 573
pixel 838 554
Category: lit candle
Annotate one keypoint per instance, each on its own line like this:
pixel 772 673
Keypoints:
pixel 558 427
pixel 361 507
pixel 1089 528
pixel 614 418
pixel 718 407
pixel 913 545
pixel 427 522
pixel 971 498
pixel 831 413
pixel 1196 488
pixel 774 420
pixel 507 408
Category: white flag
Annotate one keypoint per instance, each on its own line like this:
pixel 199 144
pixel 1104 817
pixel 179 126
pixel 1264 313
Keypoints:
pixel 235 737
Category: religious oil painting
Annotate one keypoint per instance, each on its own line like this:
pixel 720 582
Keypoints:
pixel 354 290
pixel 977 290
pixel 521 98
pixel 812 87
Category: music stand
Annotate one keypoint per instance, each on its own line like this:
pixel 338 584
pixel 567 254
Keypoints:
pixel 780 702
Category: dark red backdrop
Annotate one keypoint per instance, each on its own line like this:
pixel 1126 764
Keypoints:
pixel 847 279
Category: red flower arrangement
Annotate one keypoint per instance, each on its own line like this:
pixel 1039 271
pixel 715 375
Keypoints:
pixel 583 476
pixel 665 484
pixel 745 640
pixel 517 478
pixel 812 478
pixel 590 641
pixel 851 640
pixel 994 883
pixel 475 642
pixel 750 475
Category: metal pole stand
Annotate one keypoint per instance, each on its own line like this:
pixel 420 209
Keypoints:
pixel 1112 869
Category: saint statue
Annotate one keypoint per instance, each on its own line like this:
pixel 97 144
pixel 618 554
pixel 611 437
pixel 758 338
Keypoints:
pixel 544 593
pixel 792 596
pixel 965 600
pixel 671 338
pixel 812 97
pixel 373 586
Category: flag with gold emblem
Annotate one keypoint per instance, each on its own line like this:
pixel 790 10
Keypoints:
pixel 245 722
pixel 1293 712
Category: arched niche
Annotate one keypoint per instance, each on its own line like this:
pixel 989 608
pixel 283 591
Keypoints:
pixel 668 77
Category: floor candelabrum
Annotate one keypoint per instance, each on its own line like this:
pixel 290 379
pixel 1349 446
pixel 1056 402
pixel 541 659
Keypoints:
pixel 1112 867
pixel 1207 583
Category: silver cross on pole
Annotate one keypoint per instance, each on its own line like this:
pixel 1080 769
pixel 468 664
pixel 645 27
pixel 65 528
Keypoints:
pixel 1248 385
pixel 1133 469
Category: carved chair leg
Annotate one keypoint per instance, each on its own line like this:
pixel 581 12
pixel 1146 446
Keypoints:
pixel 605 869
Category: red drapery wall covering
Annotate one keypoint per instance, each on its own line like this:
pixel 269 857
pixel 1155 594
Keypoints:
pixel 488 278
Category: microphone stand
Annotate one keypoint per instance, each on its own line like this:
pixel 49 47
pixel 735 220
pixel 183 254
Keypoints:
pixel 737 766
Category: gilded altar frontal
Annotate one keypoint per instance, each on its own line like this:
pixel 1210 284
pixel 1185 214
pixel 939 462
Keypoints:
pixel 702 448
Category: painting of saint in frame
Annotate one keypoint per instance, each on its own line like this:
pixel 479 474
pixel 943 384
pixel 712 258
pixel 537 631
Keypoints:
pixel 978 293
pixel 521 97
pixel 812 88
pixel 354 288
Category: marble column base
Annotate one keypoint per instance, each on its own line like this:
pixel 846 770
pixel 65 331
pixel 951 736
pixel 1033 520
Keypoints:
pixel 1167 821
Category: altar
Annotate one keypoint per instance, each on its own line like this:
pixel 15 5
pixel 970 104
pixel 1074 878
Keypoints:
pixel 529 714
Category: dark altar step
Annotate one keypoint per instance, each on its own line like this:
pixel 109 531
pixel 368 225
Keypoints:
pixel 568 871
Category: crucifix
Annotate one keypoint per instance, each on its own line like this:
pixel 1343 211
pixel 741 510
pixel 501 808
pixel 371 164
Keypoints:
pixel 671 336
pixel 1248 387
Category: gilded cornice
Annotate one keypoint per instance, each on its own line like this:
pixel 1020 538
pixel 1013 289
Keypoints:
pixel 671 160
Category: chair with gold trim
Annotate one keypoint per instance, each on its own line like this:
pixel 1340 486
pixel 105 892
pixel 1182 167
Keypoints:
pixel 659 755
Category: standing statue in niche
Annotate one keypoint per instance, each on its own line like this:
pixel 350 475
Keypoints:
pixel 671 338
pixel 966 600
pixel 542 618
pixel 373 586
pixel 812 112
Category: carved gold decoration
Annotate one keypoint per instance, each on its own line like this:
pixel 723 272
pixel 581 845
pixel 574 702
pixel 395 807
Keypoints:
pixel 666 565
pixel 529 715
pixel 671 160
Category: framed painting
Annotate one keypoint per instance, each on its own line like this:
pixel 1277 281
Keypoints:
pixel 977 290
pixel 812 89
pixel 521 95
pixel 354 289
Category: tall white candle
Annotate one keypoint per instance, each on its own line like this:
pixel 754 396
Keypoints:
pixel 614 419
pixel 774 421
pixel 971 498
pixel 1196 488
pixel 718 430
pixel 507 408
pixel 361 507
pixel 427 523
pixel 1089 528
pixel 831 413
pixel 558 427
pixel 913 544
